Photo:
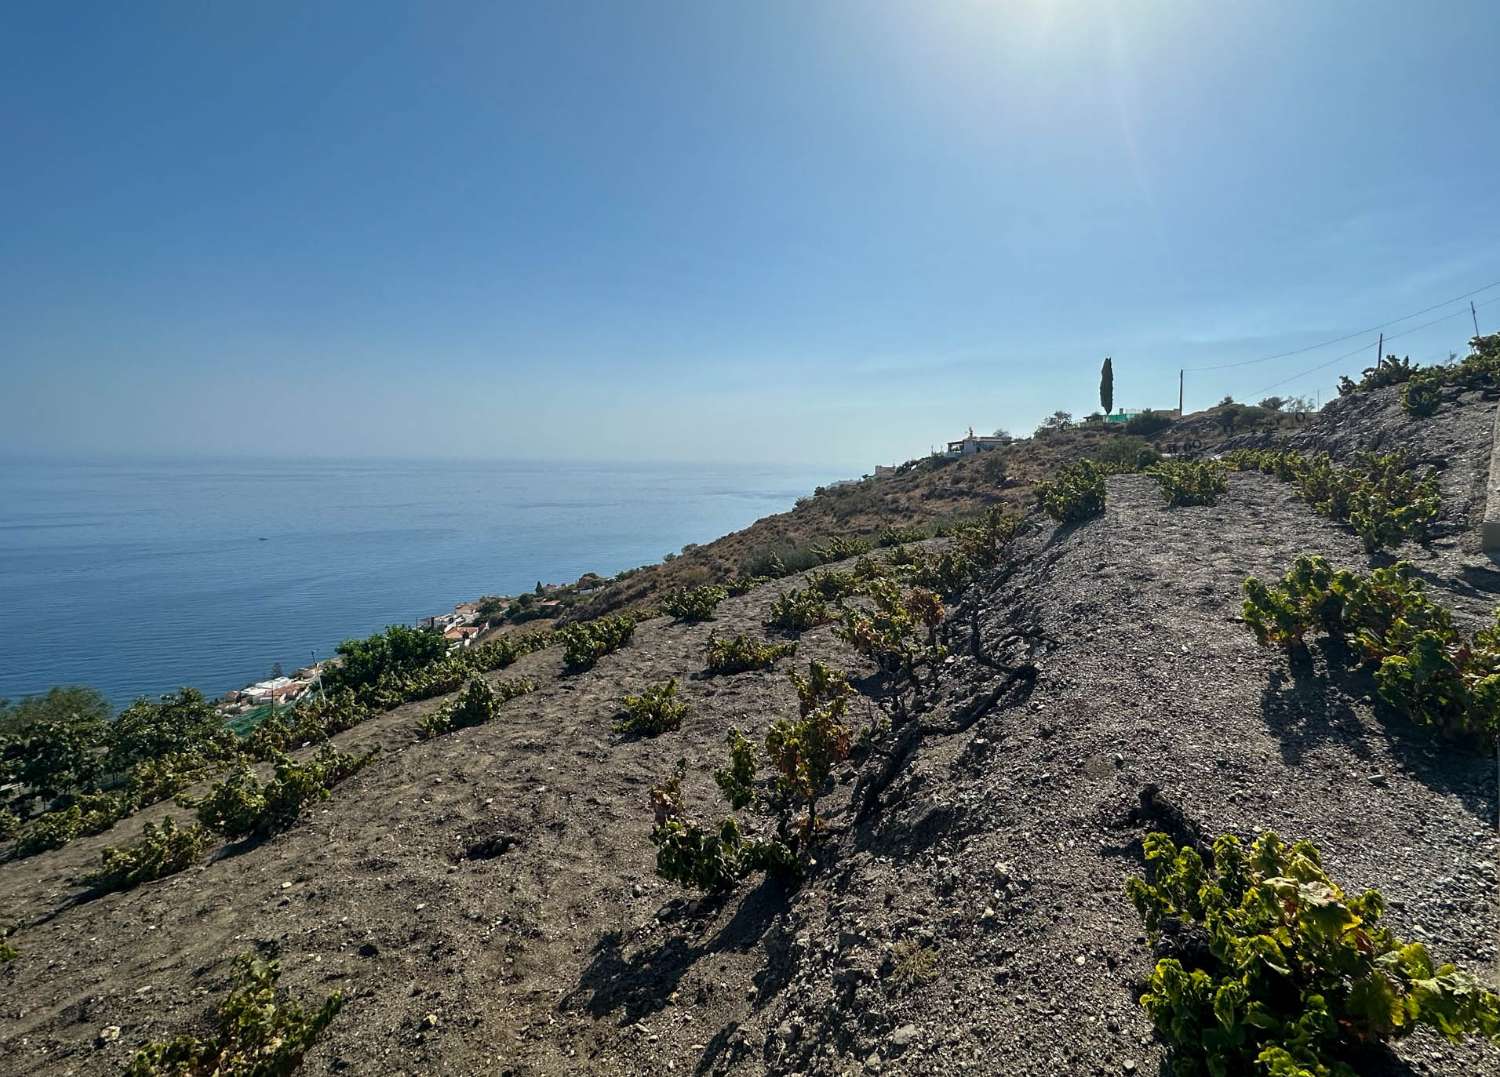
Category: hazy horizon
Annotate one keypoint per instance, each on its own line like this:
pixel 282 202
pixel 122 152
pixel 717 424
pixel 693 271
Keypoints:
pixel 762 234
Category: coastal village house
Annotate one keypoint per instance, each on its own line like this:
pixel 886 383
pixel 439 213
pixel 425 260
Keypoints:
pixel 969 444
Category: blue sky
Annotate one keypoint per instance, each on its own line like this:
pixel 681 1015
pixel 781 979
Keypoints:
pixel 828 232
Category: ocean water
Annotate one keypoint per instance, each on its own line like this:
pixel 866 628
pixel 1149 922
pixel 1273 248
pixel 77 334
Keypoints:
pixel 140 577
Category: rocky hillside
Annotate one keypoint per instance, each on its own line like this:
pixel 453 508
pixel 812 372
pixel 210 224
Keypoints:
pixel 486 899
pixel 923 493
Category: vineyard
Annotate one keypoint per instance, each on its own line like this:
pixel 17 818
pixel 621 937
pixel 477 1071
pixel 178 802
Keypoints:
pixel 1177 763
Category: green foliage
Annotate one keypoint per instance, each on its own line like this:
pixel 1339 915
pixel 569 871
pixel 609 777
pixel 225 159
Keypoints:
pixel 1423 665
pixel 181 722
pixel 257 1034
pixel 1077 494
pixel 154 780
pixel 891 631
pixel 798 610
pixel 779 560
pixel 1420 396
pixel 1190 483
pixel 742 654
pixel 804 751
pixel 75 706
pixel 1148 424
pixel 51 758
pixel 51 830
pixel 587 642
pixel 399 649
pixel 912 965
pixel 1479 369
pixel 736 779
pixel 656 710
pixel 1300 972
pixel 8 953
pixel 10 824
pixel 900 536
pixel 1107 386
pixel 743 585
pixel 479 702
pixel 241 805
pixel 1382 497
pixel 1125 455
pixel 833 585
pixel 839 548
pixel 1387 371
pixel 88 813
pixel 162 851
pixel 694 604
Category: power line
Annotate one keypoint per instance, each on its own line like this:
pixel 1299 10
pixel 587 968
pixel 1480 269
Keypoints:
pixel 1349 336
pixel 1365 347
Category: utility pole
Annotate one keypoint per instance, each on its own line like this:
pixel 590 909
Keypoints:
pixel 1475 315
pixel 1380 350
pixel 1179 394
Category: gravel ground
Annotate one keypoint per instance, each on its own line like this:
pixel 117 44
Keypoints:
pixel 487 903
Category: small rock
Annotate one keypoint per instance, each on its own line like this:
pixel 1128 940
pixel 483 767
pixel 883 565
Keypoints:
pixel 429 1022
pixel 904 1035
pixel 107 1035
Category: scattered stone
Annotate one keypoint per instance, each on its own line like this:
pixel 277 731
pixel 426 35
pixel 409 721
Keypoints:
pixel 904 1036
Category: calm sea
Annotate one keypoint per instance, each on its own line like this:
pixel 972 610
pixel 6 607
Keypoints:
pixel 137 578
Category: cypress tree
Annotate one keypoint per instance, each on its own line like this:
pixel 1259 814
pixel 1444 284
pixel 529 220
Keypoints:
pixel 1107 386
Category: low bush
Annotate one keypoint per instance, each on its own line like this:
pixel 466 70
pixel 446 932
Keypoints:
pixel 161 851
pixel 1148 424
pixel 257 1034
pixel 89 813
pixel 743 585
pixel 798 610
pixel 742 654
pixel 1190 483
pixel 1298 974
pixel 585 643
pixel 1421 396
pixel 1387 371
pixel 155 780
pixel 1384 498
pixel 479 703
pixel 839 548
pixel 1479 369
pixel 781 559
pixel 656 710
pixel 803 753
pixel 912 964
pixel 1077 494
pixel 1423 666
pixel 891 631
pixel 900 536
pixel 833 585
pixel 1124 455
pixel 241 805
pixel 694 604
